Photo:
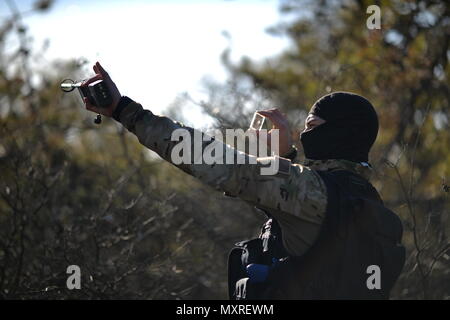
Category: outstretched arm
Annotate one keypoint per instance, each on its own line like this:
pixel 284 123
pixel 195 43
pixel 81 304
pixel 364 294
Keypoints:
pixel 299 196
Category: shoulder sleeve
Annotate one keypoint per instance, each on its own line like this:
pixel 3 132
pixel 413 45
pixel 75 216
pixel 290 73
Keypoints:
pixel 298 191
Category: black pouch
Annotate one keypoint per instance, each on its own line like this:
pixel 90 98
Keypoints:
pixel 244 253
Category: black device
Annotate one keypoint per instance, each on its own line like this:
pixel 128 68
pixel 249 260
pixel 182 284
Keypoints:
pixel 96 92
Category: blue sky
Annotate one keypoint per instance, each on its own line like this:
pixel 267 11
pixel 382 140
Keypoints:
pixel 155 50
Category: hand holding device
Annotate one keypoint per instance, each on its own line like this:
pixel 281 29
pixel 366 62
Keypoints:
pixel 99 93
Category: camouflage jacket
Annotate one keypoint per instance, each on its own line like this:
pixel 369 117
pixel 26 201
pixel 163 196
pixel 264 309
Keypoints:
pixel 297 201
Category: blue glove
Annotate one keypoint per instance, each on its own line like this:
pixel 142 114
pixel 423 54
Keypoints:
pixel 257 272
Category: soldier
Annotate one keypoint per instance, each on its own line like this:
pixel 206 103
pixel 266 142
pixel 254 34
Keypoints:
pixel 327 224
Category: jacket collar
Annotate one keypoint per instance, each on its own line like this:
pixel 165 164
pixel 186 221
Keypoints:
pixel 363 169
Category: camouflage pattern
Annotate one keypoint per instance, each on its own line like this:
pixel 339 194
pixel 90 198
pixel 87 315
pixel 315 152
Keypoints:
pixel 297 201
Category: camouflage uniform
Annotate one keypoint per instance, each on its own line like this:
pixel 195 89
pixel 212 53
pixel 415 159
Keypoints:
pixel 297 201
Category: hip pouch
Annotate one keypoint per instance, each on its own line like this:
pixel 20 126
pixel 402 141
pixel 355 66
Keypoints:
pixel 251 263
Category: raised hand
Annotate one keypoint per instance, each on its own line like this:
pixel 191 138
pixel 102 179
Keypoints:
pixel 280 122
pixel 101 74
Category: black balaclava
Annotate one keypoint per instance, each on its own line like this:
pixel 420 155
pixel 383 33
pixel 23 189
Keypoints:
pixel 349 132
